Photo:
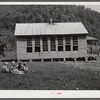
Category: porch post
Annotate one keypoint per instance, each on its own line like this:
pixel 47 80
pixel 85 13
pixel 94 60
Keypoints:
pixel 41 49
pixel 56 39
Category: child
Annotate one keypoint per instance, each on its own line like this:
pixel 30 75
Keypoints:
pixel 20 68
pixel 4 68
pixel 25 69
pixel 12 67
pixel 19 65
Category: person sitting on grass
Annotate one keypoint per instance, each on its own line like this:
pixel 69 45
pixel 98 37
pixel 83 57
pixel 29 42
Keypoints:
pixel 12 67
pixel 24 68
pixel 4 68
pixel 19 65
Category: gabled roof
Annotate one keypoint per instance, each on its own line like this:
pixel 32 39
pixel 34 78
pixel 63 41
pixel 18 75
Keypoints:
pixel 29 29
pixel 91 38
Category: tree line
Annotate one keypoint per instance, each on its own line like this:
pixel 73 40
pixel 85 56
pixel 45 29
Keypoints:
pixel 12 14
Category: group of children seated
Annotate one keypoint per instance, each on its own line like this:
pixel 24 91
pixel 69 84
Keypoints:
pixel 20 68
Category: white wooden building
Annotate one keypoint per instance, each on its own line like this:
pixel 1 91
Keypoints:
pixel 51 41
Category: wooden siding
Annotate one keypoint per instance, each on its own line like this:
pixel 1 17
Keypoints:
pixel 82 45
pixel 21 47
pixel 22 54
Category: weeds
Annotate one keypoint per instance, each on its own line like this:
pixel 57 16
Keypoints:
pixel 53 76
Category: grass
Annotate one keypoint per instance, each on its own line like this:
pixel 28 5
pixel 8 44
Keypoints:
pixel 53 76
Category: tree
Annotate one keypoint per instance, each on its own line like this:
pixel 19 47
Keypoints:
pixel 11 14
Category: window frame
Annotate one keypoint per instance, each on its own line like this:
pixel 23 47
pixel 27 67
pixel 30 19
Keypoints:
pixel 29 45
pixel 75 44
pixel 52 44
pixel 60 44
pixel 68 44
pixel 37 44
pixel 45 44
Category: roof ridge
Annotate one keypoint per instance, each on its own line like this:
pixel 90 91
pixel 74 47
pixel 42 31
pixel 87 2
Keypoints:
pixel 48 23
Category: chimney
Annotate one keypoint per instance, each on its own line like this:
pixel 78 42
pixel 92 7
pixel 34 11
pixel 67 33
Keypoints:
pixel 51 22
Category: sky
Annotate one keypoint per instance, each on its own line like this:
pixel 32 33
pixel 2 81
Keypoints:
pixel 94 7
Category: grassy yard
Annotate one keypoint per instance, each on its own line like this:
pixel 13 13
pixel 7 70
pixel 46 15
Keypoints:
pixel 54 76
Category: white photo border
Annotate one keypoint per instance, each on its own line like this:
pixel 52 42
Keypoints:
pixel 49 93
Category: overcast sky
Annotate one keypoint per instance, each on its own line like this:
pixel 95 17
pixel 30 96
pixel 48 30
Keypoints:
pixel 94 7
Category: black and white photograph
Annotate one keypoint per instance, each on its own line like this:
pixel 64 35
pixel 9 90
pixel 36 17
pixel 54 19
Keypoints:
pixel 50 47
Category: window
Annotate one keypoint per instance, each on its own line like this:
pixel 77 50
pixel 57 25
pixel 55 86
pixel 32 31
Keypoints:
pixel 29 45
pixel 37 44
pixel 53 44
pixel 45 44
pixel 60 43
pixel 75 43
pixel 67 44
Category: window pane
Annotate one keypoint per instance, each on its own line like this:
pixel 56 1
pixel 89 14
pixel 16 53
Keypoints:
pixel 60 48
pixel 67 39
pixel 45 41
pixel 75 43
pixel 53 44
pixel 60 40
pixel 53 48
pixel 75 48
pixel 75 40
pixel 37 49
pixel 68 48
pixel 45 48
pixel 37 44
pixel 60 43
pixel 37 41
pixel 45 44
pixel 29 41
pixel 67 44
pixel 29 45
pixel 29 49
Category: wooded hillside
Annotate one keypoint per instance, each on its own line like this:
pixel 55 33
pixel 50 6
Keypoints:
pixel 10 15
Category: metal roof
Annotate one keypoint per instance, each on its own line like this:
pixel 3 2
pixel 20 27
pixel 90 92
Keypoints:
pixel 91 38
pixel 28 29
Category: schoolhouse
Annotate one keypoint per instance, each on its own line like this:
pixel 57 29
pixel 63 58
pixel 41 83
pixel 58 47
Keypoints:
pixel 51 41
